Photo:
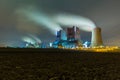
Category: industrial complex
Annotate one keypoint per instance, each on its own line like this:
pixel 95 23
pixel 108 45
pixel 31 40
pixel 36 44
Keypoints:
pixel 70 39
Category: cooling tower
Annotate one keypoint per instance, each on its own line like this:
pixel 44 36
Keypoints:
pixel 96 39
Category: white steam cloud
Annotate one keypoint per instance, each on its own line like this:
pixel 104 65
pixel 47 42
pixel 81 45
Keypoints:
pixel 40 18
pixel 31 39
pixel 72 20
pixel 35 38
pixel 53 22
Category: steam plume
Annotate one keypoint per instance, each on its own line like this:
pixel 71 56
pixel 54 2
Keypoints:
pixel 40 18
pixel 35 38
pixel 29 40
pixel 72 20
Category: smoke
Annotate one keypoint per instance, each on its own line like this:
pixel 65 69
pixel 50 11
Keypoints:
pixel 73 20
pixel 35 38
pixel 53 23
pixel 31 39
pixel 40 18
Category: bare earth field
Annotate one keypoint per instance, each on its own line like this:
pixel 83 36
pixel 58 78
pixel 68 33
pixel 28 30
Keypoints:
pixel 55 64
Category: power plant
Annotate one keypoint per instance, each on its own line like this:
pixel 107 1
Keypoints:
pixel 70 38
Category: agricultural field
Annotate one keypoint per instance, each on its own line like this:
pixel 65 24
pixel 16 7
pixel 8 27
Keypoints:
pixel 38 64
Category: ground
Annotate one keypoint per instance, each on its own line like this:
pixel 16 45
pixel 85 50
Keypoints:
pixel 58 65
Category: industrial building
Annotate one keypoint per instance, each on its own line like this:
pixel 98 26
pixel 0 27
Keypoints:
pixel 73 33
pixel 68 39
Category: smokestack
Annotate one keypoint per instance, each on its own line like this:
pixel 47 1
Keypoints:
pixel 96 37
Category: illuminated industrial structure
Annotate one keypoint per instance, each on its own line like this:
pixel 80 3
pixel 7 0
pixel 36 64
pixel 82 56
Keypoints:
pixel 73 33
pixel 68 39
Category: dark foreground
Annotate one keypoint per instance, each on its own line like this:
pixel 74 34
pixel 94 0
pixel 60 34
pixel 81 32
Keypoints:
pixel 34 64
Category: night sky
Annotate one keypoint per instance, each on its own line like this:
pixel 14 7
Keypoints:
pixel 14 26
